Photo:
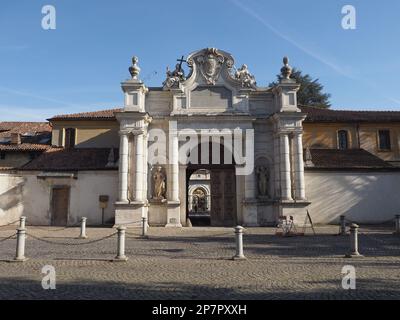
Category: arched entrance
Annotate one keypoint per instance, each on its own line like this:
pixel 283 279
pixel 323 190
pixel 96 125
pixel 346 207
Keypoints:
pixel 199 197
pixel 211 191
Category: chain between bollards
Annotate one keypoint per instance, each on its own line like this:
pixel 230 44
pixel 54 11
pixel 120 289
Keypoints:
pixel 353 242
pixel 83 229
pixel 239 244
pixel 121 245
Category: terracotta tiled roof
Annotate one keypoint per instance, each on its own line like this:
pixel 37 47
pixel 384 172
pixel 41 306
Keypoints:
pixel 328 115
pixel 24 147
pixel 25 127
pixel 94 115
pixel 313 115
pixel 60 159
pixel 346 159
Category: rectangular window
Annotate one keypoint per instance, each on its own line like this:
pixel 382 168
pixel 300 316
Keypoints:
pixel 384 139
pixel 2 155
pixel 70 137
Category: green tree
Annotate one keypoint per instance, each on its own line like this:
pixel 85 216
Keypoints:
pixel 310 92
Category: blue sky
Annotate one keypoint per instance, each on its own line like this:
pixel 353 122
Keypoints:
pixel 79 66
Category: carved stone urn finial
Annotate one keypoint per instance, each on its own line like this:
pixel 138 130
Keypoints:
pixel 134 70
pixel 286 70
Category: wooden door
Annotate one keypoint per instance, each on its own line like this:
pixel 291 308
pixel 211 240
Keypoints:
pixel 223 197
pixel 59 206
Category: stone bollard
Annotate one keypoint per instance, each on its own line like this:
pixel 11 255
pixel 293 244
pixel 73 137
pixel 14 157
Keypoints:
pixel 121 245
pixel 397 224
pixel 239 244
pixel 353 242
pixel 342 226
pixel 22 222
pixel 144 228
pixel 20 252
pixel 83 229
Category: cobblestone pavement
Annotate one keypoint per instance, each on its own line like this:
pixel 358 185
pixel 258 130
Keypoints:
pixel 194 263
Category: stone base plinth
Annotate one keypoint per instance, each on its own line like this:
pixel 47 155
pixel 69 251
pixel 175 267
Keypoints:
pixel 174 214
pixel 250 215
pixel 130 214
pixel 157 213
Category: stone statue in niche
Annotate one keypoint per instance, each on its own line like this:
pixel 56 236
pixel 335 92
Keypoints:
pixel 263 181
pixel 247 79
pixel 159 184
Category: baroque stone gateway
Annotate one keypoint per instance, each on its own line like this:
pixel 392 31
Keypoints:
pixel 216 113
pixel 210 146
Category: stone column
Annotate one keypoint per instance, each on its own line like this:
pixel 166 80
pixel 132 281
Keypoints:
pixel 299 166
pixel 277 186
pixel 139 166
pixel 286 184
pixel 145 177
pixel 123 167
pixel 173 204
pixel 183 192
pixel 174 167
pixel 145 166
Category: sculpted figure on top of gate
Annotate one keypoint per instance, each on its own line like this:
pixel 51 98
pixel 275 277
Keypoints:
pixel 174 77
pixel 247 79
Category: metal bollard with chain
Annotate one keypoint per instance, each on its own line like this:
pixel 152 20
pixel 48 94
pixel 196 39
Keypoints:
pixel 22 222
pixel 20 252
pixel 83 229
pixel 342 231
pixel 239 244
pixel 397 225
pixel 144 228
pixel 353 242
pixel 121 245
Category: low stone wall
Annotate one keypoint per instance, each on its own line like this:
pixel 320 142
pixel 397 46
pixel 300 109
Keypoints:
pixel 11 197
pixel 365 197
pixel 24 194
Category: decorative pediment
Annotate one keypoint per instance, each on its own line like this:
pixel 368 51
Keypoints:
pixel 210 67
pixel 210 62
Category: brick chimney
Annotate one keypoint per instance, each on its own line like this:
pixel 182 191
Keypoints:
pixel 15 138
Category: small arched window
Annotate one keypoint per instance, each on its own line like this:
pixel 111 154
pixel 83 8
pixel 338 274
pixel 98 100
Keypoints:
pixel 343 140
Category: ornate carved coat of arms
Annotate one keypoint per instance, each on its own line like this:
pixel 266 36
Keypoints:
pixel 210 65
